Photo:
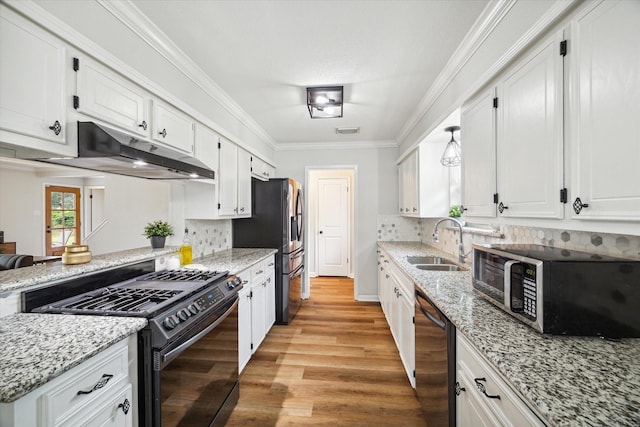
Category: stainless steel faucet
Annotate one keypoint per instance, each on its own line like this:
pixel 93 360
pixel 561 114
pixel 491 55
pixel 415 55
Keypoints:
pixel 461 254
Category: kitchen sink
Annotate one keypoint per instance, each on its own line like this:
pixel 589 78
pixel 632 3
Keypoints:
pixel 440 267
pixel 428 260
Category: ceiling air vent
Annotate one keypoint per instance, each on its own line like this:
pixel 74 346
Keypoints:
pixel 347 131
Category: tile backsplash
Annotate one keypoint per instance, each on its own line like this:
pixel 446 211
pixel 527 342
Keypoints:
pixel 622 245
pixel 208 236
pixel 396 228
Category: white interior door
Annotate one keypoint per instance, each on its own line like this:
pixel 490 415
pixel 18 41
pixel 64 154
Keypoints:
pixel 333 227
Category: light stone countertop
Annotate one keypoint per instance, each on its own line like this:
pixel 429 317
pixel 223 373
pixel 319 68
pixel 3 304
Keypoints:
pixel 26 277
pixel 36 348
pixel 568 380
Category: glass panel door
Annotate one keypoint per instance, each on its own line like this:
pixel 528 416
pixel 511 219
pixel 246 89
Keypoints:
pixel 62 218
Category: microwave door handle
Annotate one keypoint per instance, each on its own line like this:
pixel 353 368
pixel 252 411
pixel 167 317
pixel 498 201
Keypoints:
pixel 507 283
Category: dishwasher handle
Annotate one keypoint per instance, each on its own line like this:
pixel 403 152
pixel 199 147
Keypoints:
pixel 420 295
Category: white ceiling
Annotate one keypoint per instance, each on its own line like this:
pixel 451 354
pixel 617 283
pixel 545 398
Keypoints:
pixel 264 54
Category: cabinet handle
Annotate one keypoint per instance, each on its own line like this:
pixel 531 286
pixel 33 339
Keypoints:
pixel 482 388
pixel 458 389
pixel 143 125
pixel 578 205
pixel 462 208
pixel 264 284
pixel 270 264
pixel 502 207
pixel 125 406
pixel 414 209
pixel 56 128
pixel 259 272
pixel 241 209
pixel 101 383
pixel 163 133
pixel 235 210
pixel 387 276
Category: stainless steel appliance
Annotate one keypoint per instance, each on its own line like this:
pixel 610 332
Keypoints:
pixel 435 362
pixel 561 291
pixel 107 150
pixel 188 353
pixel 277 222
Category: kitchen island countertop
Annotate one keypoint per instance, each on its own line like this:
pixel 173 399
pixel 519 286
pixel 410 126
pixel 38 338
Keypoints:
pixel 36 348
pixel 567 380
pixel 26 277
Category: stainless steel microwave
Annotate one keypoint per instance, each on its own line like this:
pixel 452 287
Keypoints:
pixel 560 291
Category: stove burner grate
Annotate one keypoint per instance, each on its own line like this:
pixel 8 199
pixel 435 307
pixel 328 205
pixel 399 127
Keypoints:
pixel 180 275
pixel 122 300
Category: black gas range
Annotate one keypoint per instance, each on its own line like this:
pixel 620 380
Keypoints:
pixel 192 328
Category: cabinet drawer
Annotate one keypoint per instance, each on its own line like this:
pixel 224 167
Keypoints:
pixel 509 408
pixel 116 409
pixel 93 380
pixel 258 272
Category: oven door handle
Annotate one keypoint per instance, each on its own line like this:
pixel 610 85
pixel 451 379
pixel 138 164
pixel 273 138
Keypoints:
pixel 507 283
pixel 176 351
pixel 419 294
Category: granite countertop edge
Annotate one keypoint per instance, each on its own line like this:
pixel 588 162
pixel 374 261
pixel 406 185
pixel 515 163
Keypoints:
pixel 52 344
pixel 566 380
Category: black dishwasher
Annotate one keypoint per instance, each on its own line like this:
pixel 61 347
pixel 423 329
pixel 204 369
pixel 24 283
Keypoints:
pixel 435 363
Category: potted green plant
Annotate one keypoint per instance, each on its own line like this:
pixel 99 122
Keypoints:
pixel 158 231
pixel 456 212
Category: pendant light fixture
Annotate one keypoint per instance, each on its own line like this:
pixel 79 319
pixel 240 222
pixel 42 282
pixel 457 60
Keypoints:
pixel 451 156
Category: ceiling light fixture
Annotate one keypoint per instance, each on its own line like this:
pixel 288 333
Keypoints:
pixel 325 102
pixel 347 131
pixel 451 156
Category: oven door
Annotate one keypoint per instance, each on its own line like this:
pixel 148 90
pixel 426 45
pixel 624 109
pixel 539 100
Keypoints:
pixel 196 377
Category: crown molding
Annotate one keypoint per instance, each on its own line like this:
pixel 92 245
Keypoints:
pixel 488 20
pixel 347 145
pixel 127 13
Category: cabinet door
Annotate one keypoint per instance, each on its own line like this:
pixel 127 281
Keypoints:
pixel 105 95
pixel 258 169
pixel 172 128
pixel 270 171
pixel 244 326
pixel 206 149
pixel 401 173
pixel 257 314
pixel 244 183
pixel 408 181
pixel 227 181
pixel 470 410
pixel 530 135
pixel 604 109
pixel 478 146
pixel 32 66
pixel 432 187
pixel 407 336
pixel 270 297
pixel 117 411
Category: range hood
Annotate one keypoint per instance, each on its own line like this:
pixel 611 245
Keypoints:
pixel 106 150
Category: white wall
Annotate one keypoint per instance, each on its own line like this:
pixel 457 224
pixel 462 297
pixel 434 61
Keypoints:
pixel 376 192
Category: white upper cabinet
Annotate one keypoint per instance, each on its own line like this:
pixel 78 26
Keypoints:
pixel 105 95
pixel 478 145
pixel 605 112
pixel 234 193
pixel 244 183
pixel 424 182
pixel 172 127
pixel 206 149
pixel 530 134
pixel 32 87
pixel 261 169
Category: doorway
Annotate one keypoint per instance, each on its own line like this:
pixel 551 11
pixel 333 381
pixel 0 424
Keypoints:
pixel 331 195
pixel 62 220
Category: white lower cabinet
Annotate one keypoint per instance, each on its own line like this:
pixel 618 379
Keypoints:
pixel 98 392
pixel 256 308
pixel 397 301
pixel 485 399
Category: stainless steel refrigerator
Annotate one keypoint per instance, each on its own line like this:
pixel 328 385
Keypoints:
pixel 277 221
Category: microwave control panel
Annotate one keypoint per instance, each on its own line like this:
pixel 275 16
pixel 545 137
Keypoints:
pixel 529 284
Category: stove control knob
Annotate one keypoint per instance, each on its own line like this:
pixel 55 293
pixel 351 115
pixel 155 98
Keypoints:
pixel 183 314
pixel 170 322
pixel 231 284
pixel 194 308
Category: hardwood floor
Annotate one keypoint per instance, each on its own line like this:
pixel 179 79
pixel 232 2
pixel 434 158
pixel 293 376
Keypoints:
pixel 335 364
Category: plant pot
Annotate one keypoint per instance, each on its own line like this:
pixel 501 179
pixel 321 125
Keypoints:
pixel 157 242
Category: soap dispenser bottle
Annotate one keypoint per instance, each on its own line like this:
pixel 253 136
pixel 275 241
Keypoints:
pixel 186 253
